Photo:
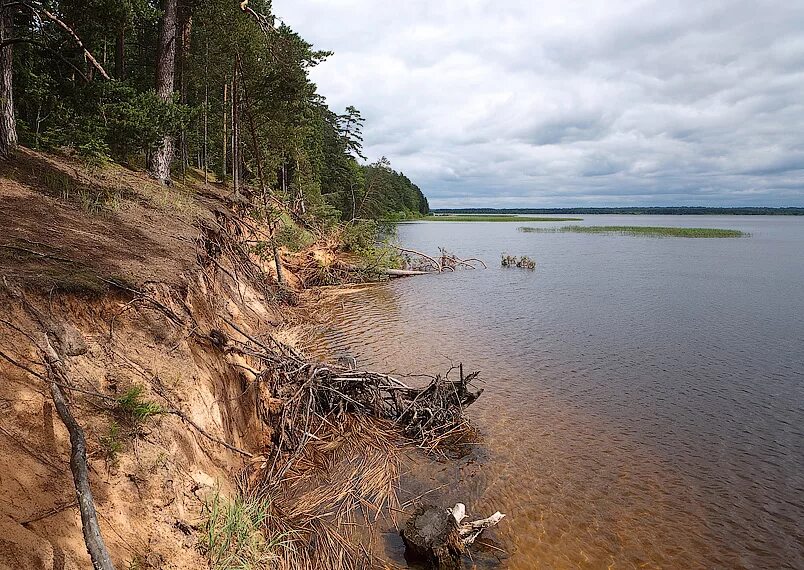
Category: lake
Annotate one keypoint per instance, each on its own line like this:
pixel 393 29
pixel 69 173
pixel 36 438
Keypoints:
pixel 644 397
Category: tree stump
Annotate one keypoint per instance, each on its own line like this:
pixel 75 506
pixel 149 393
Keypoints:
pixel 431 538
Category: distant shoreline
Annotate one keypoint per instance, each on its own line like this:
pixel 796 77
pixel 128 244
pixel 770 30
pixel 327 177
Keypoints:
pixel 650 210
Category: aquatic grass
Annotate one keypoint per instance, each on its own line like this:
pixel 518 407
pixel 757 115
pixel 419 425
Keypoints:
pixel 649 231
pixel 496 218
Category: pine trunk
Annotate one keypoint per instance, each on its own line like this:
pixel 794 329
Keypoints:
pixel 120 54
pixel 182 69
pixel 159 164
pixel 225 134
pixel 8 124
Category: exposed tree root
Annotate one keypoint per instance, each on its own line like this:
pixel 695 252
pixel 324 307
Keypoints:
pixel 78 462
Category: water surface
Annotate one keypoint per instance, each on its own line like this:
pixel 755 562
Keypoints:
pixel 644 397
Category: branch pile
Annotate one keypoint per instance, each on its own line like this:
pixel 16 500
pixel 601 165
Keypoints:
pixel 335 445
pixel 310 391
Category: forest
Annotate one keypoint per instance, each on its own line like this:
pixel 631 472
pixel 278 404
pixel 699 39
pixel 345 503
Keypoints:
pixel 636 211
pixel 219 89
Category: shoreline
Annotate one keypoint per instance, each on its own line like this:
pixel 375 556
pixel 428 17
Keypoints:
pixel 180 344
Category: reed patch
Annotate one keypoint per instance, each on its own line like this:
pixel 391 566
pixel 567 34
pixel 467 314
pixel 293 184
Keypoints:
pixel 647 231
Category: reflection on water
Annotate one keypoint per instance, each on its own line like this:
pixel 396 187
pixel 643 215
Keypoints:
pixel 644 397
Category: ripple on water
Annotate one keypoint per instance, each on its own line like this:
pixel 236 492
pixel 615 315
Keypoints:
pixel 644 400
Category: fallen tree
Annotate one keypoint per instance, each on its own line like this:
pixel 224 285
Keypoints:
pixel 418 262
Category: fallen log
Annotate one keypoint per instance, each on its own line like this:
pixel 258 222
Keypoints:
pixel 403 272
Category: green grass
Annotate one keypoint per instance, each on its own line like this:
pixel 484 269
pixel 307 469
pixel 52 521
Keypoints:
pixel 496 218
pixel 650 231
pixel 233 535
pixel 136 408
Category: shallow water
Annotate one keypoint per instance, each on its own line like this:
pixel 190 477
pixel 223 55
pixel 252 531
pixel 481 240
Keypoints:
pixel 644 402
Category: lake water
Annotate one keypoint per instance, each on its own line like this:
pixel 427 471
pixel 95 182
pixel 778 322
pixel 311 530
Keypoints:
pixel 644 397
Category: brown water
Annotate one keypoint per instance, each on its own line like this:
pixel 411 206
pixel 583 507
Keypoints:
pixel 644 402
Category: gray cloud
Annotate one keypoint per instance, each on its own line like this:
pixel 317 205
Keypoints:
pixel 573 102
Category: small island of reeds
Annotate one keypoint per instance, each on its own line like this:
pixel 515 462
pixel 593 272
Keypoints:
pixel 650 231
pixel 496 218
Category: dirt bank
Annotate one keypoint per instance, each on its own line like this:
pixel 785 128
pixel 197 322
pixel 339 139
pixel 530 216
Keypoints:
pixel 176 340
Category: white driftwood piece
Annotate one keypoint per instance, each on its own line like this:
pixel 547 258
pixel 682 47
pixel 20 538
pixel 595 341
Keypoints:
pixel 469 531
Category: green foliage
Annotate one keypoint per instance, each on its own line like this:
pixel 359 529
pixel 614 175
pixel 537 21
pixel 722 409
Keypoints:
pixel 291 144
pixel 136 408
pixel 233 534
pixel 368 240
pixel 136 122
pixel 387 194
pixel 361 236
pixel 292 237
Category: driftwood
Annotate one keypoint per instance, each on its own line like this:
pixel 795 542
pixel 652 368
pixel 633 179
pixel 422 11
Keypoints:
pixel 78 462
pixel 469 531
pixel 523 262
pixel 403 272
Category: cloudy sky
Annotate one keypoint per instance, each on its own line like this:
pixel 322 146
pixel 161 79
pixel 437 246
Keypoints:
pixel 551 103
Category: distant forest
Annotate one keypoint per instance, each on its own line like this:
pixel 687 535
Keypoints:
pixel 662 211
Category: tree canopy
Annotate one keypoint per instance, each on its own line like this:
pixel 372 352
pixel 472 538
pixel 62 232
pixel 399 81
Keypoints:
pixel 220 86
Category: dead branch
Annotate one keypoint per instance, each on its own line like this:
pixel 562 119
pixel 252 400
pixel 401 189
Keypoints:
pixel 435 263
pixel 38 8
pixel 264 22
pixel 206 434
pixel 50 512
pixel 78 462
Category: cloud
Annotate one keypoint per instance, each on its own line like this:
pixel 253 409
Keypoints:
pixel 572 102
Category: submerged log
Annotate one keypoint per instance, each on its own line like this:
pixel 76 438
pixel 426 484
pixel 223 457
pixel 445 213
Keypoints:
pixel 403 272
pixel 431 537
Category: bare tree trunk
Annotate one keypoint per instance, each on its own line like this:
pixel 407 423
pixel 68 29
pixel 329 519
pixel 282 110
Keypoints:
pixel 8 123
pixel 206 119
pixel 185 37
pixel 235 136
pixel 225 134
pixel 120 54
pixel 159 165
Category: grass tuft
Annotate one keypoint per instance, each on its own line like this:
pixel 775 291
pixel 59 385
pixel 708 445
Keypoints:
pixel 233 534
pixel 138 409
pixel 649 231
